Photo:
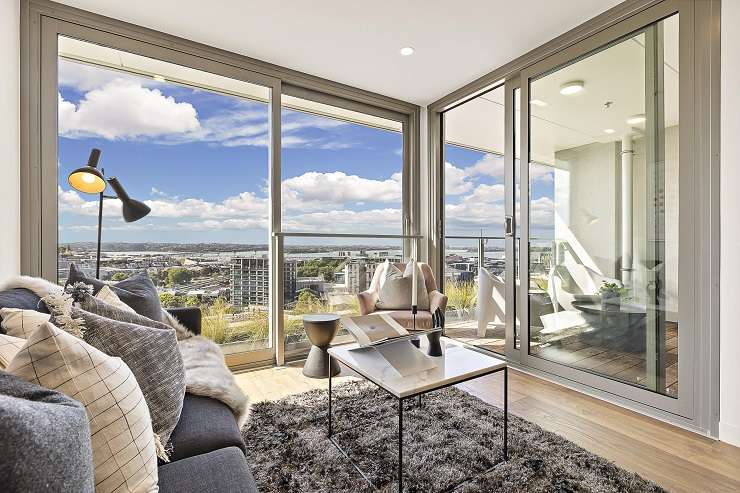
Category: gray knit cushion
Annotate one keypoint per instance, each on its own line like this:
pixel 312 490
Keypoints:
pixel 153 357
pixel 138 291
pixel 44 438
pixel 97 306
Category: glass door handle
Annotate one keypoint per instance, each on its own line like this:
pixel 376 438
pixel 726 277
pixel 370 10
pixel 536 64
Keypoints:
pixel 508 226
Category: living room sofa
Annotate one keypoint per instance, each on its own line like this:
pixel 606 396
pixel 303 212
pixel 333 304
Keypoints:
pixel 207 453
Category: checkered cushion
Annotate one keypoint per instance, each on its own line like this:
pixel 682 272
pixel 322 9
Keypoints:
pixel 123 442
pixel 154 359
pixel 21 323
pixel 9 347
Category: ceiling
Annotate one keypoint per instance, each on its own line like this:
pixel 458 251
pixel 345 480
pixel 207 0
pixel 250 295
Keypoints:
pixel 357 42
pixel 613 91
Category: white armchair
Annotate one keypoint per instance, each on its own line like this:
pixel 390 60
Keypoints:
pixel 491 306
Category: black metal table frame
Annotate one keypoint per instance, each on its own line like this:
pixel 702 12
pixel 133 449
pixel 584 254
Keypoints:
pixel 400 418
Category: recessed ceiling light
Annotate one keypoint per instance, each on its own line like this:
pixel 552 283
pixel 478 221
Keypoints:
pixel 538 102
pixel 635 119
pixel 159 78
pixel 406 51
pixel 572 87
pixel 609 130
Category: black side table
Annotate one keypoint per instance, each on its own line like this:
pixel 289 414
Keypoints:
pixel 320 329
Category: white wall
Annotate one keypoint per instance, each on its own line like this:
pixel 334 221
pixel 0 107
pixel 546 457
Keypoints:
pixel 729 428
pixel 9 138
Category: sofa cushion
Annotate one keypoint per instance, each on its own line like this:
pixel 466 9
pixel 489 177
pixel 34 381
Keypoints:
pixel 205 425
pixel 138 291
pixel 96 305
pixel 46 436
pixel 21 298
pixel 123 448
pixel 19 322
pixel 221 470
pixel 152 356
pixel 9 347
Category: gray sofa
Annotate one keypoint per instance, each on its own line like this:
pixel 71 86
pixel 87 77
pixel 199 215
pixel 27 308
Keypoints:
pixel 208 453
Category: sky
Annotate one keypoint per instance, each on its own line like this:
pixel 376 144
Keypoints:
pixel 199 159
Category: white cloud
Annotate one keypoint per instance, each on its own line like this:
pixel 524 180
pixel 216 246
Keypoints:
pixel 315 190
pixel 455 182
pixel 341 221
pixel 126 110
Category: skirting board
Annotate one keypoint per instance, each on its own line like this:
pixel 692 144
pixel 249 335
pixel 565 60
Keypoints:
pixel 729 433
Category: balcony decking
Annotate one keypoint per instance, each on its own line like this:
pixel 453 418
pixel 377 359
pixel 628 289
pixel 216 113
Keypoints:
pixel 578 352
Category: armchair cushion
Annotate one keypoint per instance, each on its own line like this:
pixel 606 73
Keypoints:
pixel 396 292
pixel 405 318
pixel 367 300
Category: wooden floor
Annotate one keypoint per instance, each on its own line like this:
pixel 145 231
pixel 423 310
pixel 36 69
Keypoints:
pixel 581 352
pixel 676 459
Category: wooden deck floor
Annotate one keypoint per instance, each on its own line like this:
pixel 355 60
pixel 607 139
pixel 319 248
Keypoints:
pixel 579 352
pixel 676 459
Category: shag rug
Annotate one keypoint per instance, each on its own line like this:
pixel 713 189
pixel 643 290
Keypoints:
pixel 452 443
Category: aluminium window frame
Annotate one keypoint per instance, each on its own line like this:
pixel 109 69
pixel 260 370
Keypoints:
pixel 702 415
pixel 38 131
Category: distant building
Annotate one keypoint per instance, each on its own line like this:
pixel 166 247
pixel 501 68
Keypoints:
pixel 250 281
pixel 359 272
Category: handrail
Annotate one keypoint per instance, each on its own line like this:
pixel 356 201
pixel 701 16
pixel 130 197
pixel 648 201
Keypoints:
pixel 345 235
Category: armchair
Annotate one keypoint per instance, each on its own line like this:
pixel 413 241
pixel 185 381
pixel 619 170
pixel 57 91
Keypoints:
pixel 424 319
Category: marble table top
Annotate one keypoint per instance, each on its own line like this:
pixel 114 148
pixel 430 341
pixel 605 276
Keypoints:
pixel 459 362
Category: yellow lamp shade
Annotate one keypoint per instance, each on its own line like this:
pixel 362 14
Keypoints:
pixel 87 180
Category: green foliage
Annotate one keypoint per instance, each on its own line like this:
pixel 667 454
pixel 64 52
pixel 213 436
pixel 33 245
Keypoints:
pixel 320 267
pixel 169 300
pixel 613 289
pixel 192 301
pixel 461 295
pixel 178 275
pixel 119 276
pixel 309 303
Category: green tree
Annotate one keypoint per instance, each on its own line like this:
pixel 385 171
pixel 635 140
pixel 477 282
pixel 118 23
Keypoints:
pixel 178 275
pixel 308 303
pixel 170 300
pixel 192 301
pixel 119 276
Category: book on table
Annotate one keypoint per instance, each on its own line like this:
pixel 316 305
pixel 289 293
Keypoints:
pixel 378 328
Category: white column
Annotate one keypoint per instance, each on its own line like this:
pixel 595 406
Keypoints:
pixel 627 154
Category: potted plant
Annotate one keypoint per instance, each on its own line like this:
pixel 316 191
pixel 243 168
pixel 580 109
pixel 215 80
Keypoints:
pixel 611 295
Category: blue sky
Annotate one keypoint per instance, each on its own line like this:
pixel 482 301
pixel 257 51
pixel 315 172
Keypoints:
pixel 200 160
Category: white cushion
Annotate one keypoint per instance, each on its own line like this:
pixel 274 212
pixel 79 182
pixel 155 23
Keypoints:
pixel 122 439
pixel 109 296
pixel 395 292
pixel 22 323
pixel 9 347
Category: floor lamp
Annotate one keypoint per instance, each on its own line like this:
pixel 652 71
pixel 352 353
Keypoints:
pixel 90 179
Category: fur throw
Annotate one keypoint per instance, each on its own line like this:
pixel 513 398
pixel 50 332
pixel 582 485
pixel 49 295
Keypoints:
pixel 41 287
pixel 206 374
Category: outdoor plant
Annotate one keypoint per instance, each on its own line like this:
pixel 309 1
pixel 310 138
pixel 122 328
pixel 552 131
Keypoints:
pixel 461 296
pixel 613 290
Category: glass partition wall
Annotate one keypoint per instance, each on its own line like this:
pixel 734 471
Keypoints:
pixel 267 202
pixel 604 208
pixel 595 216
pixel 474 220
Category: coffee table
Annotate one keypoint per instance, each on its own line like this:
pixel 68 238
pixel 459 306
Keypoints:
pixel 459 363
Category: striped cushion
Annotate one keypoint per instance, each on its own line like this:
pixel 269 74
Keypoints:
pixel 22 323
pixel 123 442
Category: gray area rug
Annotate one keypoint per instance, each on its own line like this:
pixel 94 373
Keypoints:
pixel 452 443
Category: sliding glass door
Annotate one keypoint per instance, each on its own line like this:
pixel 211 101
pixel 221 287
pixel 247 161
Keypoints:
pixel 607 287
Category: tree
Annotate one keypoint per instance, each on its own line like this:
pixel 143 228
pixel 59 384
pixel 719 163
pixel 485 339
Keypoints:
pixel 170 300
pixel 178 275
pixel 119 276
pixel 192 301
pixel 308 303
